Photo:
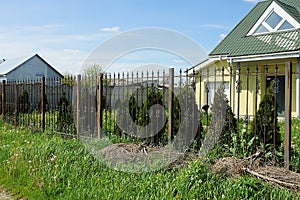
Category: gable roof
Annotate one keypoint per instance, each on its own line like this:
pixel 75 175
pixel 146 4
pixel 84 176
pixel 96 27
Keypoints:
pixel 11 64
pixel 237 43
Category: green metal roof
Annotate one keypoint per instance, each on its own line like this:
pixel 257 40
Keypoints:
pixel 237 43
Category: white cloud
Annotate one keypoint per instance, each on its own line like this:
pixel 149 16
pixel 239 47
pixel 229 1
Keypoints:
pixel 178 61
pixel 111 29
pixel 215 26
pixel 66 52
pixel 222 36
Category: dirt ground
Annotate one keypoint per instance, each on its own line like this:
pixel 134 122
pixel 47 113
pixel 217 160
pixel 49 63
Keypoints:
pixel 230 166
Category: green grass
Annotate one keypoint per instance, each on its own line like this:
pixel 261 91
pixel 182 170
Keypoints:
pixel 46 166
pixel 295 147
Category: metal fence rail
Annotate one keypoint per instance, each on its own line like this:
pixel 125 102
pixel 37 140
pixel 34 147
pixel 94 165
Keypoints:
pixel 88 105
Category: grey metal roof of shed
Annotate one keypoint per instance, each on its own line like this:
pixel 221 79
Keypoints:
pixel 10 64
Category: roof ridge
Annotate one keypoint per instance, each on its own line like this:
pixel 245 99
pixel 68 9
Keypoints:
pixel 237 42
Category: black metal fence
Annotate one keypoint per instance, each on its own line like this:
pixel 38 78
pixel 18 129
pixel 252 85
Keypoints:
pixel 89 105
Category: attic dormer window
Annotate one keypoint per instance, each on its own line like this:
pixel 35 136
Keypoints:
pixel 274 19
pixel 273 23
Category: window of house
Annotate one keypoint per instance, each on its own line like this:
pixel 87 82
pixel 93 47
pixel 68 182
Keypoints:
pixel 274 19
pixel 213 88
pixel 273 23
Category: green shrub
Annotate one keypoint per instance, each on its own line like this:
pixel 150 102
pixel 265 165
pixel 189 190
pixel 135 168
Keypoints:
pixel 154 96
pixel 24 104
pixel 65 115
pixel 186 127
pixel 223 126
pixel 263 122
pixel 228 122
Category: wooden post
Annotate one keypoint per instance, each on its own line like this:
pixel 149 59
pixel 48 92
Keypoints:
pixel 99 108
pixel 3 100
pixel 171 100
pixel 78 93
pixel 16 105
pixel 43 104
pixel 288 111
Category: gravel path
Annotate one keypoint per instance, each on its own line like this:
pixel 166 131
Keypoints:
pixel 4 195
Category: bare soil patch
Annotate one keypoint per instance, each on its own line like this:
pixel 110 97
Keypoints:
pixel 4 195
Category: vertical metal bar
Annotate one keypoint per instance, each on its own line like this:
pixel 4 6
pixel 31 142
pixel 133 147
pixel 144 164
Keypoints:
pixel 153 139
pixel 238 90
pixel 215 80
pixel 3 100
pixel 275 90
pixel 186 114
pixel 147 79
pixel 113 111
pixel 200 110
pixel 109 126
pixel 107 87
pixel 16 105
pixel 207 103
pixel 288 112
pixel 171 101
pixel 43 104
pixel 99 108
pixel 257 87
pixel 265 118
pixel 157 115
pixel 137 96
pixel 194 111
pixel 231 89
pixel 247 119
pixel 78 94
pixel 123 96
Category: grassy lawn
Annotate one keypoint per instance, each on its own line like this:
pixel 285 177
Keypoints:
pixel 46 166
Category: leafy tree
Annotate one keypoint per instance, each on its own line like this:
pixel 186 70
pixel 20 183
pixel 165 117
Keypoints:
pixel 92 70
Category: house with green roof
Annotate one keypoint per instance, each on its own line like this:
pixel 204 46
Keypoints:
pixel 253 55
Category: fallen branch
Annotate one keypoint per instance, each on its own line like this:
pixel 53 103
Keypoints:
pixel 253 157
pixel 289 185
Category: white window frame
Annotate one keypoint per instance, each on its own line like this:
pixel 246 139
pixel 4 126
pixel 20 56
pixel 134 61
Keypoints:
pixel 212 91
pixel 281 12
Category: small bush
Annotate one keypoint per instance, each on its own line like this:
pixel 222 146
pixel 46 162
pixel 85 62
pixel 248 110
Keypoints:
pixel 263 123
pixel 24 104
pixel 154 97
pixel 223 126
pixel 65 116
pixel 229 123
pixel 186 127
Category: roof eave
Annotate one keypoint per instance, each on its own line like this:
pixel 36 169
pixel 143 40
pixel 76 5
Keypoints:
pixel 259 57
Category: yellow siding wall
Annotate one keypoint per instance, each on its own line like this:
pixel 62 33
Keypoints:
pixel 246 106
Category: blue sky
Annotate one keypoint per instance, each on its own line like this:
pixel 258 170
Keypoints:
pixel 65 32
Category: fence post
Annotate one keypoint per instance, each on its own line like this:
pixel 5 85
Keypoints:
pixel 16 105
pixel 43 103
pixel 288 110
pixel 99 108
pixel 78 88
pixel 171 100
pixel 3 100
